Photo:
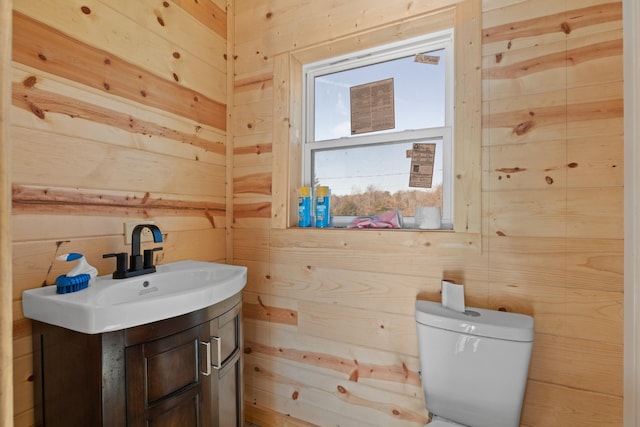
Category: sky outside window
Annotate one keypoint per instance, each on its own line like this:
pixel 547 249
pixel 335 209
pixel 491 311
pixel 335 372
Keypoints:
pixel 419 98
pixel 419 95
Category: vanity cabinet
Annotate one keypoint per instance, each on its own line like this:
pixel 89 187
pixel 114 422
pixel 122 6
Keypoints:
pixel 184 371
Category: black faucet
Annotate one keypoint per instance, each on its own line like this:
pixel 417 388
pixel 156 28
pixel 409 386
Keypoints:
pixel 140 264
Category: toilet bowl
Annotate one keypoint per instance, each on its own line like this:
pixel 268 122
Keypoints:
pixel 474 364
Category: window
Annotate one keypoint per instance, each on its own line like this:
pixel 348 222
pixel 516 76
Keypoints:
pixel 464 19
pixel 366 113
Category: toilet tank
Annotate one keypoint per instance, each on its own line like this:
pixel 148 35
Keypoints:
pixel 474 365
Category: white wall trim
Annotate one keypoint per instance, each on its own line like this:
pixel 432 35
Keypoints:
pixel 631 22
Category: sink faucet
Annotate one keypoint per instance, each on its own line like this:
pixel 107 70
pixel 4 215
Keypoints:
pixel 139 264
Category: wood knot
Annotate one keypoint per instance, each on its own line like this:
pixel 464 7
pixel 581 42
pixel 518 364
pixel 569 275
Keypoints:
pixel 42 57
pixel 176 55
pixel 269 15
pixel 247 350
pixel 175 77
pixel 30 81
pixel 295 394
pixel 160 21
pixel 502 309
pixel 523 128
pixel 86 10
pixel 511 170
pixel 395 412
pixel 573 165
pixel 565 28
pixel 498 58
pixel 37 111
pixel 500 233
pixel 548 179
pixel 165 3
pixel 342 389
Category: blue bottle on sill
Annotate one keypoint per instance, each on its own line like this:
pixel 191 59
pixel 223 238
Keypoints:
pixel 322 198
pixel 304 207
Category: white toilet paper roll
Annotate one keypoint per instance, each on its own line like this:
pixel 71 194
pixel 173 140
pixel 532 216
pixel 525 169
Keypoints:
pixel 453 296
pixel 428 217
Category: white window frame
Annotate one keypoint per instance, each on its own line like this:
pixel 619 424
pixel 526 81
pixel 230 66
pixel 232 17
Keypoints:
pixel 424 43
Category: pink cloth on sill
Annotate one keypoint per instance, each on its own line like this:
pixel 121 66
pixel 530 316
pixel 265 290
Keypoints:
pixel 392 219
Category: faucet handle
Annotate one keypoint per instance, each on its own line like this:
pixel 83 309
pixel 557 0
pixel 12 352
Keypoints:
pixel 121 264
pixel 148 257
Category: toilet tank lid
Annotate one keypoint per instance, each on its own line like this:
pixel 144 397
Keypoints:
pixel 476 321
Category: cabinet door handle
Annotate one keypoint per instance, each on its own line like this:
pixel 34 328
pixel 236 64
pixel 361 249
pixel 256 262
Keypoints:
pixel 207 346
pixel 219 359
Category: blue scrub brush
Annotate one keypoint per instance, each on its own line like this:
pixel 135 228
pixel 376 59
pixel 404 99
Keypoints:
pixel 79 276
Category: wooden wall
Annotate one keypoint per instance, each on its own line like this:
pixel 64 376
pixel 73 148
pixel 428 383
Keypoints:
pixel 329 326
pixel 6 300
pixel 119 113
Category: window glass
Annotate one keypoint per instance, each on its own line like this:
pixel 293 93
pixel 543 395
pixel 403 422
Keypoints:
pixel 419 91
pixel 370 180
pixel 369 170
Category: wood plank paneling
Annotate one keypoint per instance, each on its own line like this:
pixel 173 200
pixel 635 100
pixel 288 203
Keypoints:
pixel 551 240
pixel 97 68
pixel 38 154
pixel 119 114
pixel 145 147
pixel 6 353
pixel 160 37
pixel 549 405
pixel 564 361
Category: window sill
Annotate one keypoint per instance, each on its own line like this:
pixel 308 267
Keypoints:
pixel 408 223
pixel 412 242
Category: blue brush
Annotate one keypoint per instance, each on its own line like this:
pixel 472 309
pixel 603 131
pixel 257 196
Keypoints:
pixel 79 276
pixel 66 285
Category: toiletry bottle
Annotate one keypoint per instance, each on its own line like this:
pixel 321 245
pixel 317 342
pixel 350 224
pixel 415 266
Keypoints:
pixel 304 207
pixel 322 198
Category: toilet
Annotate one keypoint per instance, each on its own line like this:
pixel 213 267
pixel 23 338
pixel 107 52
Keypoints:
pixel 474 364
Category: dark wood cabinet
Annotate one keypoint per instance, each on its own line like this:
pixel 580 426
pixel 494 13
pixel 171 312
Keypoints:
pixel 180 372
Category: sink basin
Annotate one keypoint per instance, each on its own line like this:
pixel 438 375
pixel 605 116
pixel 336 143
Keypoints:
pixel 110 305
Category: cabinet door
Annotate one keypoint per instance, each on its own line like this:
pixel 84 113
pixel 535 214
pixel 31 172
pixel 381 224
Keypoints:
pixel 226 388
pixel 165 386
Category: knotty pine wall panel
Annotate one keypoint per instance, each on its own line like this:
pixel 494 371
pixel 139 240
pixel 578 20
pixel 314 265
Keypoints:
pixel 119 113
pixel 162 38
pixel 552 242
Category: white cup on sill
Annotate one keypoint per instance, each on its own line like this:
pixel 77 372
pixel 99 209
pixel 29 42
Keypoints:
pixel 428 217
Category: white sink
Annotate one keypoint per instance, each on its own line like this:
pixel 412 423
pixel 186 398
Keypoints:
pixel 110 305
